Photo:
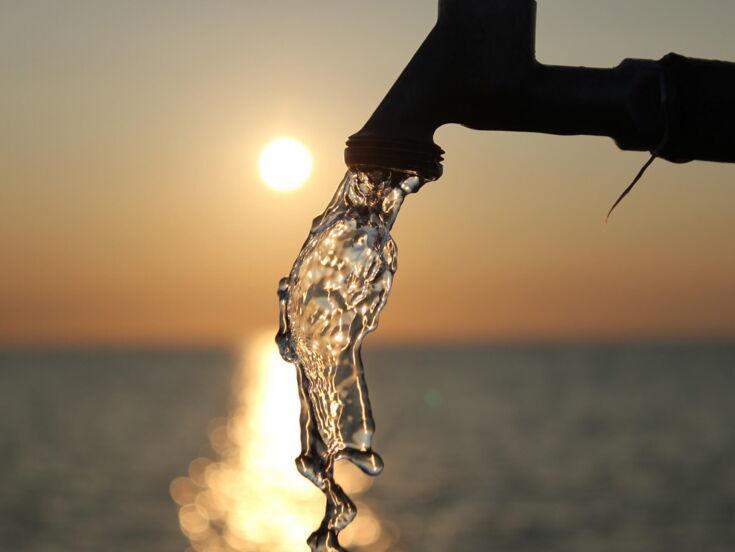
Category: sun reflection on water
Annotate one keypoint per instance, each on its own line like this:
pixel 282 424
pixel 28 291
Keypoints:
pixel 251 498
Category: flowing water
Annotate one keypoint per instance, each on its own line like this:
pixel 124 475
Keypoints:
pixel 328 304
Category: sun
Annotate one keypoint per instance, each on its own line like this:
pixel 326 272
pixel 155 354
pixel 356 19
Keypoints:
pixel 285 164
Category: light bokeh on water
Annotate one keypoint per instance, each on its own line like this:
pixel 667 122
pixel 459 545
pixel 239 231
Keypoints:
pixel 251 497
pixel 330 301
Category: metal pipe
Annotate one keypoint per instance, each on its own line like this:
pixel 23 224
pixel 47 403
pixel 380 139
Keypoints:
pixel 477 67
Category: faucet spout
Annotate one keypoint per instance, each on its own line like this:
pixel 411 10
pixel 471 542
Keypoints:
pixel 477 67
pixel 399 134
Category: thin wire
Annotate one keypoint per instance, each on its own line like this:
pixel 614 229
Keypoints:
pixel 668 115
pixel 630 186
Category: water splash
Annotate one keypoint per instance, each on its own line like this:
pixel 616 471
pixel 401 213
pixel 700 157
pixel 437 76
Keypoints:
pixel 328 304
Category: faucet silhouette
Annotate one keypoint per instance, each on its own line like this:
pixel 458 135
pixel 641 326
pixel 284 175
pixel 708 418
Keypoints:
pixel 477 67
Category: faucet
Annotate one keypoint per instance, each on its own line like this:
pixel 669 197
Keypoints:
pixel 478 68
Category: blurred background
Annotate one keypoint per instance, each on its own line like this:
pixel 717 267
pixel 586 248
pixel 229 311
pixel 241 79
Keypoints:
pixel 540 380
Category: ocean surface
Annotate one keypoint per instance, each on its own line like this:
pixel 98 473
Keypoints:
pixel 507 449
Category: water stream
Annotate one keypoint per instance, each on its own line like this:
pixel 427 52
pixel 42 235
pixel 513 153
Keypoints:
pixel 330 301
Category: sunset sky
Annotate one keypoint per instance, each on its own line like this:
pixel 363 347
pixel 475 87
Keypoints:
pixel 132 212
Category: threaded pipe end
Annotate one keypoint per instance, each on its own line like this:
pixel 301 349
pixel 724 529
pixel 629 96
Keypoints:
pixel 424 159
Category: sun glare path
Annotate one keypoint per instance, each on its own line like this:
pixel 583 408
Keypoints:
pixel 252 498
pixel 285 164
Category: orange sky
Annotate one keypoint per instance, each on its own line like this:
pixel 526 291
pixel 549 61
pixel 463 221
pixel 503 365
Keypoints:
pixel 131 210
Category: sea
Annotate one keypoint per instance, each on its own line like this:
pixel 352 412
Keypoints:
pixel 503 448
